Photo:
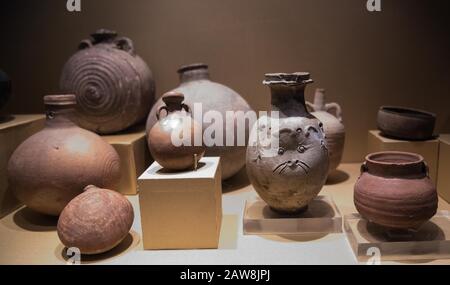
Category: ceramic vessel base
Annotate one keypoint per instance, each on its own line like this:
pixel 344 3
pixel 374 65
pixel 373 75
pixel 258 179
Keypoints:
pixel 320 217
pixel 431 241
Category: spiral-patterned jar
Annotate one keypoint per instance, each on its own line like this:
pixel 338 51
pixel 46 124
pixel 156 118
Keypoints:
pixel 114 86
pixel 53 166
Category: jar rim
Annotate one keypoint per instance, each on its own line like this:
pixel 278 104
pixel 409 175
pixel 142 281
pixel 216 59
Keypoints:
pixel 399 158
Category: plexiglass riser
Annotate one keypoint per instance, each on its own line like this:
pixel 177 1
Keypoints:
pixel 431 241
pixel 321 217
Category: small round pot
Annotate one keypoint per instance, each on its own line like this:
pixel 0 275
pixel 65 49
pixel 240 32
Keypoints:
pixel 395 191
pixel 405 123
pixel 183 153
pixel 95 221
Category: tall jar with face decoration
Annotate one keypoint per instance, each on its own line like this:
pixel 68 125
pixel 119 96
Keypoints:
pixel 287 156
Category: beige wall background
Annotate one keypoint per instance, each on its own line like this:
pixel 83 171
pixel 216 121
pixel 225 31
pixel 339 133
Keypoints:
pixel 398 56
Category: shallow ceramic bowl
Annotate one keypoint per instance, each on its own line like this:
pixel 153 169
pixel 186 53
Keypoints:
pixel 406 123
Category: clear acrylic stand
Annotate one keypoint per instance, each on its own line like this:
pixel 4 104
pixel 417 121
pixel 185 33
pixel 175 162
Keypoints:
pixel 321 217
pixel 431 241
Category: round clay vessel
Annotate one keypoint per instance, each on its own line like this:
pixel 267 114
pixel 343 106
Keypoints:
pixel 332 124
pixel 54 165
pixel 406 123
pixel 113 85
pixel 288 165
pixel 198 88
pixel 95 221
pixel 394 190
pixel 5 89
pixel 183 153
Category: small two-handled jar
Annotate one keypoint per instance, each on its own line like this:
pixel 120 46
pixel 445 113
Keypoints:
pixel 175 141
pixel 395 191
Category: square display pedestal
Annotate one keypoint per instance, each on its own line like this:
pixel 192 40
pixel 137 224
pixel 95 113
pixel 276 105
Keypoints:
pixel 134 156
pixel 443 180
pixel 428 149
pixel 13 131
pixel 321 217
pixel 431 241
pixel 181 210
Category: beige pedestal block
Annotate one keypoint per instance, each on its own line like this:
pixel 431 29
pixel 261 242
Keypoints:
pixel 181 210
pixel 134 157
pixel 13 132
pixel 428 149
pixel 443 179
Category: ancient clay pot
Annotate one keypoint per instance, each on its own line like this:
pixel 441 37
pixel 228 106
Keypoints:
pixel 394 190
pixel 406 123
pixel 95 221
pixel 198 88
pixel 332 124
pixel 114 86
pixel 5 89
pixel 182 153
pixel 54 165
pixel 291 175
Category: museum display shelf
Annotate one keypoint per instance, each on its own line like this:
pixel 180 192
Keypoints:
pixel 321 217
pixel 26 238
pixel 430 241
pixel 443 179
pixel 14 130
pixel 131 145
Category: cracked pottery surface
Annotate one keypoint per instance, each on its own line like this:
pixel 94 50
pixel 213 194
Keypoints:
pixel 291 175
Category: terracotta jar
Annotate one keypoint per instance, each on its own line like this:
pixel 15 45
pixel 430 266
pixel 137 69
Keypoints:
pixel 198 88
pixel 394 190
pixel 291 175
pixel 95 221
pixel 183 153
pixel 405 123
pixel 114 86
pixel 332 124
pixel 54 165
pixel 5 89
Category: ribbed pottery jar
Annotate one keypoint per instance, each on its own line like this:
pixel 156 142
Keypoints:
pixel 5 89
pixel 198 88
pixel 113 85
pixel 395 191
pixel 287 156
pixel 332 124
pixel 53 166
pixel 172 140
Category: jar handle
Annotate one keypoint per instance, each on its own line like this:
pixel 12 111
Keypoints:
pixel 310 106
pixel 84 44
pixel 162 108
pixel 125 44
pixel 363 168
pixel 186 108
pixel 336 107
pixel 426 169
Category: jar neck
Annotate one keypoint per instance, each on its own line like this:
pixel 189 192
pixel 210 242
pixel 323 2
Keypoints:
pixel 288 100
pixel 194 74
pixel 395 165
pixel 60 116
pixel 319 100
